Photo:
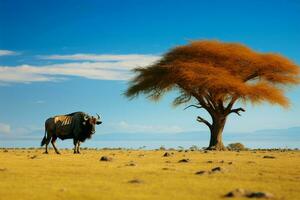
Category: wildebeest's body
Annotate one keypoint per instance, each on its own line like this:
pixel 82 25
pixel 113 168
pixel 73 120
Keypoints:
pixel 78 126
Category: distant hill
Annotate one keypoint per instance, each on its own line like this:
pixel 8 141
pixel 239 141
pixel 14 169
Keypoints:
pixel 268 134
pixel 260 135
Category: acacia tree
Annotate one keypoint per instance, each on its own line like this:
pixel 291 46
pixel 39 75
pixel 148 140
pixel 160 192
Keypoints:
pixel 213 75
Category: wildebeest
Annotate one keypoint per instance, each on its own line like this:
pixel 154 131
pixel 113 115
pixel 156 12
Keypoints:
pixel 78 125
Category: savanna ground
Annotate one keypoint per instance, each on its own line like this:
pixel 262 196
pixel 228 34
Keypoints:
pixel 144 174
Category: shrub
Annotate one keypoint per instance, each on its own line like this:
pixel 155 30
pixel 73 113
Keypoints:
pixel 236 147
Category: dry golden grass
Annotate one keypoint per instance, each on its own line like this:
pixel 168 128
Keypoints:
pixel 29 174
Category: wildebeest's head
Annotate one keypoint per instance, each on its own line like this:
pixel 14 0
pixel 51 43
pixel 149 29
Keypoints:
pixel 89 123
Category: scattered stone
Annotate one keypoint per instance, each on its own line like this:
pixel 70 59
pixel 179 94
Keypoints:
pixel 186 151
pixel 184 160
pixel 166 154
pixel 266 195
pixel 205 151
pixel 271 157
pixel 202 172
pixel 168 161
pixel 105 158
pixel 222 161
pixel 210 161
pixel 5 150
pixel 216 169
pixel 33 157
pixel 251 162
pixel 239 192
pixel 236 193
pixel 135 181
pixel 166 168
pixel 230 163
pixel 131 164
pixel 141 155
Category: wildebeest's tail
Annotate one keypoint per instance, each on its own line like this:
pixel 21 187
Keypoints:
pixel 44 139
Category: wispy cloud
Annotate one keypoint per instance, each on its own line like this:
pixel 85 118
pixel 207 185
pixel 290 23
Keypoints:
pixel 7 53
pixel 5 128
pixel 145 128
pixel 135 58
pixel 14 131
pixel 40 102
pixel 102 67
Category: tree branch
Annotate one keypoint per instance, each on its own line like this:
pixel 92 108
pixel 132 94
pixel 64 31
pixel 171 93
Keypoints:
pixel 201 120
pixel 237 110
pixel 230 104
pixel 193 106
pixel 251 76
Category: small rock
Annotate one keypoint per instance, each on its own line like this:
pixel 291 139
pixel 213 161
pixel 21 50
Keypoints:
pixel 131 164
pixel 168 161
pixel 246 193
pixel 184 160
pixel 210 161
pixel 271 157
pixel 236 193
pixel 205 151
pixel 216 169
pixel 33 157
pixel 135 181
pixel 5 150
pixel 166 154
pixel 260 195
pixel 230 163
pixel 105 158
pixel 251 162
pixel 222 161
pixel 166 168
pixel 201 172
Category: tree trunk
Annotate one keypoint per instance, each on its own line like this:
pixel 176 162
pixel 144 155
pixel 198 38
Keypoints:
pixel 216 142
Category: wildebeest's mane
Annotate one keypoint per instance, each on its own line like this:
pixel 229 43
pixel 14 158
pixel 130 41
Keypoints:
pixel 71 114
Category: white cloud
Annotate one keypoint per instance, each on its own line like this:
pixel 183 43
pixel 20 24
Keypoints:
pixel 139 58
pixel 7 53
pixel 140 128
pixel 112 67
pixel 40 102
pixel 4 128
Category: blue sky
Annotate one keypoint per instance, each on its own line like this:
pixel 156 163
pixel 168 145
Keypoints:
pixel 62 56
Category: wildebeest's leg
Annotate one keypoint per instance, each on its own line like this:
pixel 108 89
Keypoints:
pixel 75 142
pixel 54 137
pixel 78 146
pixel 47 143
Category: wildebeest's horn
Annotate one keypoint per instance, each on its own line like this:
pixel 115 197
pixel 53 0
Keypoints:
pixel 98 117
pixel 86 118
